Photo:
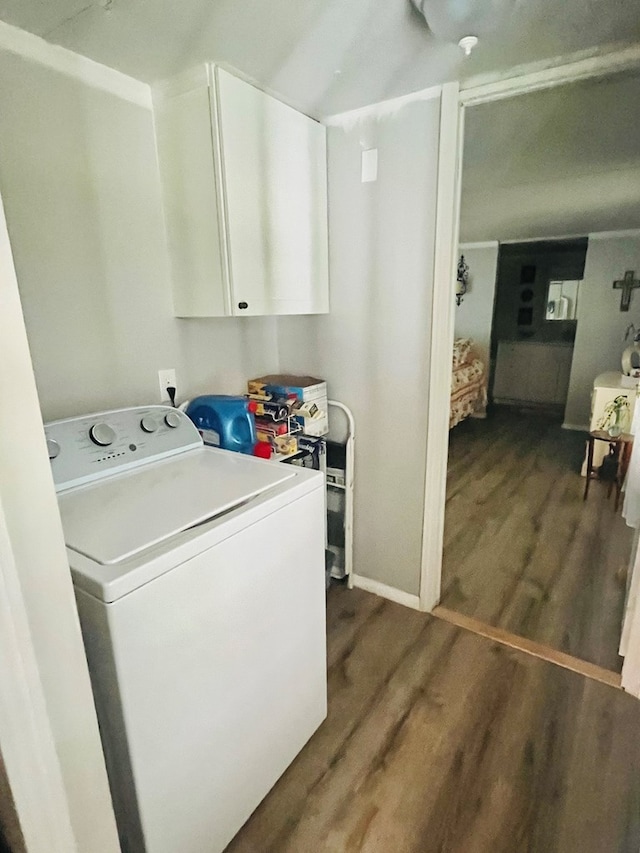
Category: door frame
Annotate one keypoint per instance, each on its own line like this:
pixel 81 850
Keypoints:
pixel 455 100
pixel 49 737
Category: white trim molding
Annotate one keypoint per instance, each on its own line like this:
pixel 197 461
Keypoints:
pixel 545 238
pixel 441 347
pixel 614 235
pixel 398 596
pixel 576 427
pixel 630 639
pixel 484 244
pixel 35 49
pixel 49 735
pixel 583 65
pixel 28 747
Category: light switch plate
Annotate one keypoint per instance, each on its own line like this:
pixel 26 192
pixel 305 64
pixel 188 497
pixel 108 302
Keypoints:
pixel 369 165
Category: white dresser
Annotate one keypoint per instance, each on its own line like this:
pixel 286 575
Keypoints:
pixel 606 387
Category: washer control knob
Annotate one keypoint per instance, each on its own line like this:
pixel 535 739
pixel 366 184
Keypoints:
pixel 53 447
pixel 148 424
pixel 102 434
pixel 172 419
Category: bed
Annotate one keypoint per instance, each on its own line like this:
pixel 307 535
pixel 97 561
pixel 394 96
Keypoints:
pixel 468 383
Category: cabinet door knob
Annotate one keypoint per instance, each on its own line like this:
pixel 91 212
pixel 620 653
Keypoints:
pixel 243 305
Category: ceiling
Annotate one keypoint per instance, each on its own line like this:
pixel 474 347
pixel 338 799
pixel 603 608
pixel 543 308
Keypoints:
pixel 323 56
pixel 561 162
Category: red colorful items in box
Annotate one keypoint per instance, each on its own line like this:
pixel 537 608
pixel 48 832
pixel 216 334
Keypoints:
pixel 305 397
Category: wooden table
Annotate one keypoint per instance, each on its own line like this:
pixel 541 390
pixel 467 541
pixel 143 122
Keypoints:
pixel 622 444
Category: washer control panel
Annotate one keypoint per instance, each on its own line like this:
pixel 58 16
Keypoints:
pixel 90 447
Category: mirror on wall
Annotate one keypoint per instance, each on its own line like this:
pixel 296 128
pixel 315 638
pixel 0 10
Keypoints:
pixel 562 300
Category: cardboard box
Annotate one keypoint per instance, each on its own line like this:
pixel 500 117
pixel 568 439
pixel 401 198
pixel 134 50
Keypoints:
pixel 316 426
pixel 275 410
pixel 312 416
pixel 285 444
pixel 316 448
pixel 305 409
pixel 265 427
pixel 306 388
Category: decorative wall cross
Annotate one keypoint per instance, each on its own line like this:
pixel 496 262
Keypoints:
pixel 626 285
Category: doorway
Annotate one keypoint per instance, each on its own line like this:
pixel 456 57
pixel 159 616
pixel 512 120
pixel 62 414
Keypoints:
pixel 534 326
pixel 554 567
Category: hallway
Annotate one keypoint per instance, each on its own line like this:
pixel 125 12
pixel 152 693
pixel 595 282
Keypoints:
pixel 523 551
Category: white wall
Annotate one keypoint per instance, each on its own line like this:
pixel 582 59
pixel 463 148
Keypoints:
pixel 79 177
pixel 373 348
pixel 601 325
pixel 34 557
pixel 474 316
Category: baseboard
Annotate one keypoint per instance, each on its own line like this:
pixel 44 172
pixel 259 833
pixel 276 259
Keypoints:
pixel 576 427
pixel 532 405
pixel 396 595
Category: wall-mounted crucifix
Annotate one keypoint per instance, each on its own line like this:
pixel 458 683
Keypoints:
pixel 626 285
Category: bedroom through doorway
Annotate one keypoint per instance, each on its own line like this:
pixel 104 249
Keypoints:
pixel 546 225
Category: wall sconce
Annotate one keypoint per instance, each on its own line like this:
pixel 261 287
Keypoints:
pixel 462 279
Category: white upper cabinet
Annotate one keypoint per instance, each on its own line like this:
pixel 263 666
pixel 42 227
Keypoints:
pixel 244 182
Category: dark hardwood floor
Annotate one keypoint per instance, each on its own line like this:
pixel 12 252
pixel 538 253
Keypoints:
pixel 441 741
pixel 523 551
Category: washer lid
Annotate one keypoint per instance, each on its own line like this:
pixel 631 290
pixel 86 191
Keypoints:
pixel 116 518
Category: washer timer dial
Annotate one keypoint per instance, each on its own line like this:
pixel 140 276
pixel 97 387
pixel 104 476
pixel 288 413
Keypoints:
pixel 172 419
pixel 102 434
pixel 148 424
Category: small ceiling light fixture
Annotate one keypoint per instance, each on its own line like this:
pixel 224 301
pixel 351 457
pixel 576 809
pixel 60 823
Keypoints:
pixel 467 43
pixel 454 20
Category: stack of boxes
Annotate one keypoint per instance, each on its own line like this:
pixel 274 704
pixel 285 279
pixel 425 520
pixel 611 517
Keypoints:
pixel 292 415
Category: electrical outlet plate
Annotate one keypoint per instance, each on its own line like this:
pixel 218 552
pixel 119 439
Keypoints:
pixel 166 379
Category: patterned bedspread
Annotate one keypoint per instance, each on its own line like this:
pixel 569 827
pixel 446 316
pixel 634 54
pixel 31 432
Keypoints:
pixel 468 383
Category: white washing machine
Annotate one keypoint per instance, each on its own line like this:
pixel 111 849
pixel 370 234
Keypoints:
pixel 199 578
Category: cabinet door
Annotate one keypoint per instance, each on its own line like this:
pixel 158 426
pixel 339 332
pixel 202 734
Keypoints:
pixel 565 356
pixel 544 373
pixel 510 377
pixel 274 172
pixel 190 199
pixel 533 373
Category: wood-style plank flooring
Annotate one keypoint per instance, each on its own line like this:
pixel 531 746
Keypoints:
pixel 441 741
pixel 523 551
